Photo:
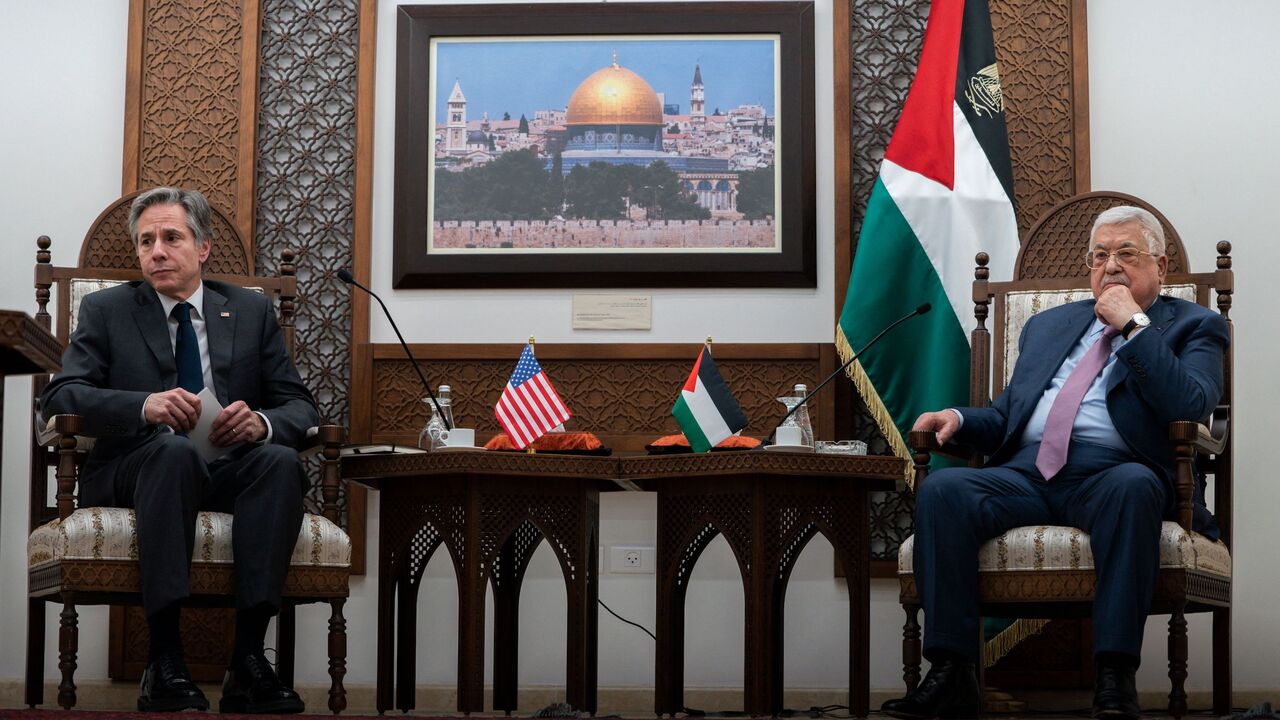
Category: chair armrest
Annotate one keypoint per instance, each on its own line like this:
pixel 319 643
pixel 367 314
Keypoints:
pixel 328 441
pixel 47 433
pixel 1202 438
pixel 924 442
pixel 1188 439
pixel 318 437
pixel 62 434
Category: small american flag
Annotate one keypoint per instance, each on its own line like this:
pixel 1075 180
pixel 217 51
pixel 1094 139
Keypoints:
pixel 529 406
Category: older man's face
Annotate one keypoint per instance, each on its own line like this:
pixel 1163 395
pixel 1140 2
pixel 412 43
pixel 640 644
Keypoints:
pixel 1143 276
pixel 167 251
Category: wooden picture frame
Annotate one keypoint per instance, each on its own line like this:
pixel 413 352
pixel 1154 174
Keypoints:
pixel 447 235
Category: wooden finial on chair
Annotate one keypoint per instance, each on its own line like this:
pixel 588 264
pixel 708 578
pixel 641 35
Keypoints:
pixel 44 280
pixel 1225 284
pixel 981 272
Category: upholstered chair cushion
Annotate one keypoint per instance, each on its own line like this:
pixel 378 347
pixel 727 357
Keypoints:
pixel 1051 547
pixel 1021 305
pixel 111 534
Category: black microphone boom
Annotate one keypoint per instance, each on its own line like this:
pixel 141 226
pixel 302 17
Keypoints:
pixel 345 276
pixel 921 309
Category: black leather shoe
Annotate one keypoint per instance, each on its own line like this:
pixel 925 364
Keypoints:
pixel 251 687
pixel 1115 695
pixel 950 690
pixel 167 687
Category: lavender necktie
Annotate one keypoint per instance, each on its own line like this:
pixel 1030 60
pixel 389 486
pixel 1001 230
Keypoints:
pixel 1062 415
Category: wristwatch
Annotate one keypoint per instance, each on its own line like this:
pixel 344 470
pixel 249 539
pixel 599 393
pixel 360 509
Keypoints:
pixel 1138 320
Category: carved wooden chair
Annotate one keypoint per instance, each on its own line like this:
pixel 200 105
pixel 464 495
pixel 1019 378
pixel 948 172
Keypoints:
pixel 1047 572
pixel 88 556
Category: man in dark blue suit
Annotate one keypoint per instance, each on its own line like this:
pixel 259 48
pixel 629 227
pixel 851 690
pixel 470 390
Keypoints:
pixel 1086 449
pixel 138 361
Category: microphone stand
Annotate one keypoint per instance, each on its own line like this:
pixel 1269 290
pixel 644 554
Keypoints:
pixel 345 276
pixel 921 309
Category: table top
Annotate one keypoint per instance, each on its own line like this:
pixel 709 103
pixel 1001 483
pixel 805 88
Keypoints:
pixel 25 346
pixel 621 472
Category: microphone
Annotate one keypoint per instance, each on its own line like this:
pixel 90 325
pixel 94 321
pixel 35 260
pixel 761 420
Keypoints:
pixel 921 309
pixel 345 276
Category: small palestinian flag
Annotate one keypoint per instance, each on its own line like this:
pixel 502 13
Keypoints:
pixel 706 411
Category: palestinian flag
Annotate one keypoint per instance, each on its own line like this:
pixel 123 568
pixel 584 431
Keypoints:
pixel 944 193
pixel 706 411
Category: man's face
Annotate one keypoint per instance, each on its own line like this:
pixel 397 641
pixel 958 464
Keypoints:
pixel 167 251
pixel 1143 277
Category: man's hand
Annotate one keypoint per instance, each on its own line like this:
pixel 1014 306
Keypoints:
pixel 176 408
pixel 943 422
pixel 1116 306
pixel 235 424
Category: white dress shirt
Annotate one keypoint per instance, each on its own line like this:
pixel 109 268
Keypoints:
pixel 202 340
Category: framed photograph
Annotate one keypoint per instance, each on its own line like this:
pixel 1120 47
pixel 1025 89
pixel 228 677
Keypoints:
pixel 605 145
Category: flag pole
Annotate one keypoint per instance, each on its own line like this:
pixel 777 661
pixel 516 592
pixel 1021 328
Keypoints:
pixel 529 450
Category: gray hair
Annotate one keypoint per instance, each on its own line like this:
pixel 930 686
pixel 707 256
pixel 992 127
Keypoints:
pixel 1147 223
pixel 199 216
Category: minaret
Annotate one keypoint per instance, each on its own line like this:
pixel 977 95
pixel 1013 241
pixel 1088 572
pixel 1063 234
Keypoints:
pixel 696 101
pixel 457 126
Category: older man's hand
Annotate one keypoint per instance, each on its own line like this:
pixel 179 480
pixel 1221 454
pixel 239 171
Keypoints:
pixel 1116 306
pixel 943 422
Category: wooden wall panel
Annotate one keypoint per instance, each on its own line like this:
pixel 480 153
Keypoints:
pixel 622 393
pixel 190 101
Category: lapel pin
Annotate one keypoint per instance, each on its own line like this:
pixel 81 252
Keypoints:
pixel 224 314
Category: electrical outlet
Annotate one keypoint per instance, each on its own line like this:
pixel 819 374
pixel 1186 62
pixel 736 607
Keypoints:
pixel 632 559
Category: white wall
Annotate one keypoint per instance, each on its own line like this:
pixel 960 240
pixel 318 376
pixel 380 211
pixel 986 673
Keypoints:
pixel 61 127
pixel 1183 114
pixel 1184 108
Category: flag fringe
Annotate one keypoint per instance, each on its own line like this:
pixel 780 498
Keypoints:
pixel 1008 638
pixel 875 406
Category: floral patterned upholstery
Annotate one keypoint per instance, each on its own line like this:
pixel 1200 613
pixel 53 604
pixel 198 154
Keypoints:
pixel 1052 547
pixel 100 533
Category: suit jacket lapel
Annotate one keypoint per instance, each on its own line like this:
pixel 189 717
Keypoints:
pixel 1065 334
pixel 154 326
pixel 220 326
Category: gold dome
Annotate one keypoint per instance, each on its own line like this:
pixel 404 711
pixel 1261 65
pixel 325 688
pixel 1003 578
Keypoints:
pixel 614 96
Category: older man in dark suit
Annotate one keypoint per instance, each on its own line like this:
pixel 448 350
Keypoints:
pixel 140 355
pixel 1079 437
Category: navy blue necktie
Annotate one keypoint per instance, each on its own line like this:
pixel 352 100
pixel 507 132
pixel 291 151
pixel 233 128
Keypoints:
pixel 186 350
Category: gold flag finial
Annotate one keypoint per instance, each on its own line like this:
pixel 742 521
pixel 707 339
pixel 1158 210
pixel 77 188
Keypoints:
pixel 707 342
pixel 530 342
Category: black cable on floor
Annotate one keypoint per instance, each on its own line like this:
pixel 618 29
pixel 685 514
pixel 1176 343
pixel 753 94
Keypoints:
pixel 611 612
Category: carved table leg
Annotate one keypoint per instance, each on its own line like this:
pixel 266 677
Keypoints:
pixel 386 620
pixel 509 575
pixel 337 656
pixel 35 653
pixel 406 645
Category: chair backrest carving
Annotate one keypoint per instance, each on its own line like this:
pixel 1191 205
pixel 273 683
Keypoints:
pixel 107 244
